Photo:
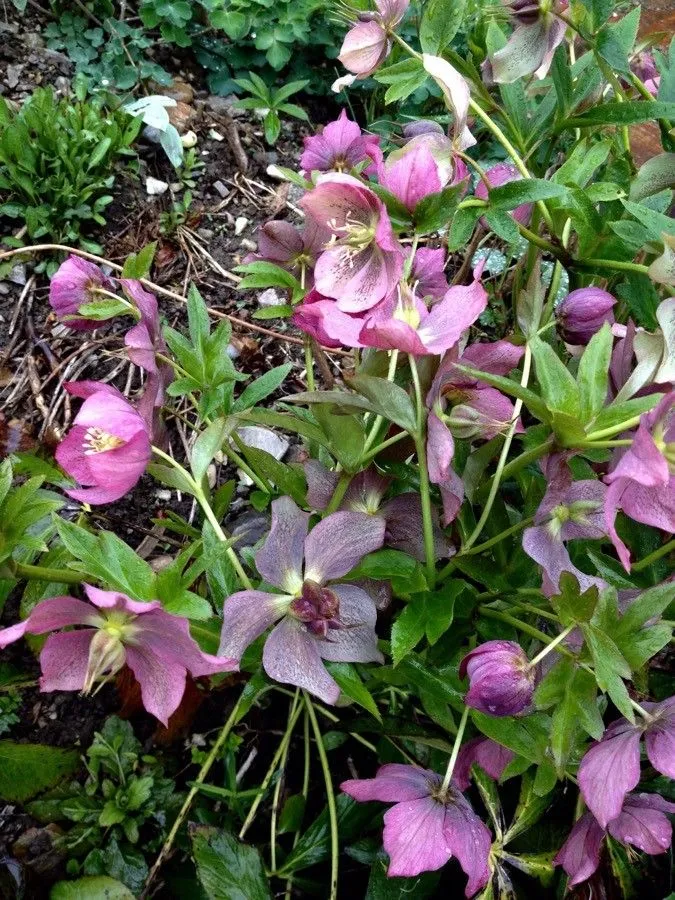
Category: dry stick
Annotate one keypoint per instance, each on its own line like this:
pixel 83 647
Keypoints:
pixel 165 292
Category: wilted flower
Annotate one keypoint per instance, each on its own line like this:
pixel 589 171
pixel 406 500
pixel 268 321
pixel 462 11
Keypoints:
pixel 427 826
pixel 662 269
pixel 340 146
pixel 367 44
pixel 457 95
pixel 611 767
pixel 144 341
pixel 498 175
pixel 501 679
pixel 292 248
pixel 74 284
pixel 642 479
pixel 644 361
pixel 155 645
pixel 363 262
pixel 583 312
pixel 488 755
pixel 107 448
pixel 570 510
pixel 319 620
pixel 531 47
pixel 642 823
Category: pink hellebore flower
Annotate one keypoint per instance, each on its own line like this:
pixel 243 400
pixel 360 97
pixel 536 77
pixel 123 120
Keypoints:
pixel 72 286
pixel 318 621
pixel 363 261
pixel 339 147
pixel 412 176
pixel 611 767
pixel 290 247
pixel 570 510
pixel 642 479
pixel 108 446
pixel 531 47
pixel 498 175
pixel 501 679
pixel 427 826
pixel 155 645
pixel 367 44
pixel 144 341
pixel 641 823
pixel 427 275
pixel 457 96
pixel 583 312
pixel 645 68
pixel 488 755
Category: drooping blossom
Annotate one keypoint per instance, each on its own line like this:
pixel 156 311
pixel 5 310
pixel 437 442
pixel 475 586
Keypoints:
pixel 488 755
pixel 402 514
pixel 73 285
pixel 427 825
pixel 144 340
pixel 642 477
pixel 108 447
pixel 583 312
pixel 644 66
pixel 424 165
pixel 363 263
pixel 156 645
pixel 339 147
pixel 427 274
pixel 319 620
pixel 368 42
pixel 501 679
pixel 292 248
pixel 457 95
pixel 531 47
pixel 662 269
pixel 498 175
pixel 642 823
pixel 611 767
pixel 643 362
pixel 570 510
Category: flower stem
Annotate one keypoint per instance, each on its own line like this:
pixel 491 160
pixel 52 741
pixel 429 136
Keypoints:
pixel 455 750
pixel 521 626
pixel 309 363
pixel 551 646
pixel 391 374
pixel 638 709
pixel 525 458
pixel 615 264
pixel 425 487
pixel 479 548
pixel 42 573
pixel 614 429
pixel 339 492
pixel 330 795
pixel 653 557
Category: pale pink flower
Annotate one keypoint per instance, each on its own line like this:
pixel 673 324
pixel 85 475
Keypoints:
pixel 367 43
pixel 73 285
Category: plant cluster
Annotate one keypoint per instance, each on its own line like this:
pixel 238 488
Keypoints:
pixel 465 572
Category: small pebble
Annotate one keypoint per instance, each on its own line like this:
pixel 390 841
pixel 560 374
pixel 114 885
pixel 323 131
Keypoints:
pixel 189 139
pixel 222 189
pixel 248 245
pixel 215 135
pixel 163 494
pixel 269 298
pixel 155 187
pixel 240 224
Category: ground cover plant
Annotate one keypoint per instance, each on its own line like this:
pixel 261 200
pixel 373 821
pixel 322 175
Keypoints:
pixel 433 655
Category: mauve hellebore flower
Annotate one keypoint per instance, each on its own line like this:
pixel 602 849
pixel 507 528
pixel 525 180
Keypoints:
pixel 107 448
pixel 340 146
pixel 318 621
pixel 155 645
pixel 498 175
pixel 363 260
pixel 641 823
pixel 611 767
pixel 531 47
pixel 583 312
pixel 501 679
pixel 292 248
pixel 367 44
pixel 642 479
pixel 427 826
pixel 73 285
pixel 570 510
pixel 488 755
pixel 144 340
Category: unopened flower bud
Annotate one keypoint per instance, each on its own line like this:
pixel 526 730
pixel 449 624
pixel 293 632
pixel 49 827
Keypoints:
pixel 583 312
pixel 501 680
pixel 498 175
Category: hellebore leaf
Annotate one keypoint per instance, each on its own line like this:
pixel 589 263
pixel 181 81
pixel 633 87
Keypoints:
pixel 441 20
pixel 593 374
pixel 387 399
pixel 91 887
pixel 262 387
pixel 350 683
pixel 559 389
pixel 629 113
pixel 227 869
pixel 208 444
pixel 28 769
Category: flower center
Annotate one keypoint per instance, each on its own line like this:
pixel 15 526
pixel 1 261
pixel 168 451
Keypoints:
pixel 318 607
pixel 355 234
pixel 96 440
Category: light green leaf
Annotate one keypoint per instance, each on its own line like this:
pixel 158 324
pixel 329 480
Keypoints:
pixel 227 869
pixel 28 769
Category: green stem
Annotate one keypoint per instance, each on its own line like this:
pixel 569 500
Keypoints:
pixel 192 793
pixel 304 791
pixel 391 374
pixel 521 626
pixel 638 709
pixel 42 573
pixel 330 794
pixel 556 277
pixel 653 557
pixel 621 97
pixel 339 492
pixel 479 548
pixel 541 242
pixel 551 646
pixel 425 486
pixel 455 751
pixel 615 264
pixel 614 429
pixel 525 458
pixel 309 363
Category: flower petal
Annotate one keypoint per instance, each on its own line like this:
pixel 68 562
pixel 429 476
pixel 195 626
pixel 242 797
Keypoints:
pixel 357 641
pixel 246 615
pixel 609 770
pixel 339 542
pixel 169 636
pixel 414 837
pixel 469 841
pixel 580 854
pixel 64 660
pixel 117 600
pixel 643 823
pixel 393 783
pixel 161 679
pixel 291 657
pixel 60 612
pixel 279 560
pixel 660 737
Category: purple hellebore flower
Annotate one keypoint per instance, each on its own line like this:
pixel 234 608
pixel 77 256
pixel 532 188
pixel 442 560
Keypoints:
pixel 498 175
pixel 570 510
pixel 291 248
pixel 490 756
pixel 155 645
pixel 145 339
pixel 583 312
pixel 427 826
pixel 641 823
pixel 427 275
pixel 412 176
pixel 644 67
pixel 108 447
pixel 402 514
pixel 403 321
pixel 611 767
pixel 501 679
pixel 72 286
pixel 367 43
pixel 531 47
pixel 363 261
pixel 340 146
pixel 319 621
pixel 642 479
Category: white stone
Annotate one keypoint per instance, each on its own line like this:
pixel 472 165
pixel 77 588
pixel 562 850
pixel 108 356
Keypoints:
pixel 269 298
pixel 155 187
pixel 262 439
pixel 240 224
pixel 189 139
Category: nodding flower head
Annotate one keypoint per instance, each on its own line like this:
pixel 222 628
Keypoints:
pixel 75 283
pixel 501 679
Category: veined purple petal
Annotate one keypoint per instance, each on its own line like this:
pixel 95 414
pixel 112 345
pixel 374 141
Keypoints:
pixel 660 737
pixel 279 560
pixel 524 53
pixel 393 783
pixel 414 837
pixel 489 755
pixel 428 273
pixel 291 656
pixel 246 615
pixel 168 635
pixel 364 47
pixel 413 176
pixel 469 842
pixel 162 680
pixel 452 315
pixel 580 854
pixel 609 770
pixel 339 542
pixel 60 612
pixel 643 823
pixel 64 660
pixel 119 601
pixel 321 484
